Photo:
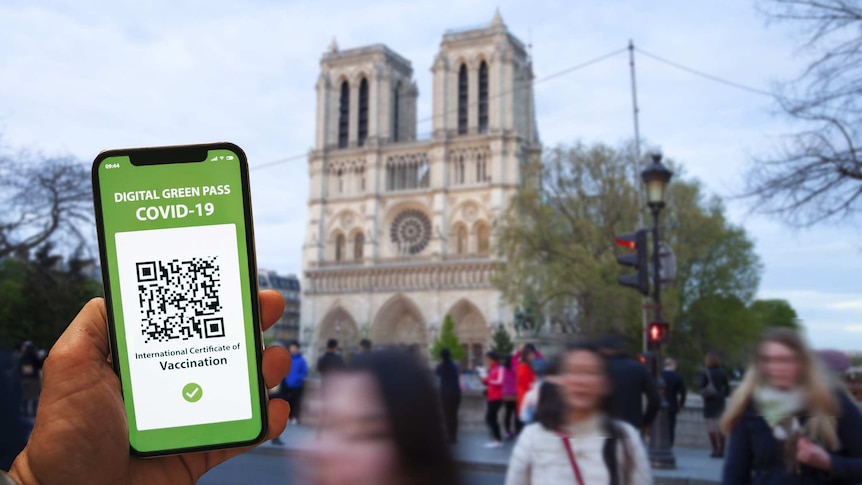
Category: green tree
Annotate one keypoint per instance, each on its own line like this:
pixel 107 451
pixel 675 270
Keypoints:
pixel 775 313
pixel 448 340
pixel 558 233
pixel 40 296
pixel 502 345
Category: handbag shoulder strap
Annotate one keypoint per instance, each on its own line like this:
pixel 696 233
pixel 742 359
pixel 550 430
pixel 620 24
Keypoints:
pixel 572 460
pixel 708 376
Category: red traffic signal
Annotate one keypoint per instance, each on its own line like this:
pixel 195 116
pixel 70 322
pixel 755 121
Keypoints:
pixel 658 332
pixel 639 260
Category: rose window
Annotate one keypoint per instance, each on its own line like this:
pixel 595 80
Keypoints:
pixel 411 231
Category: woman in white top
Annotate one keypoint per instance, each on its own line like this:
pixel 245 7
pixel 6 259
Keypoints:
pixel 573 440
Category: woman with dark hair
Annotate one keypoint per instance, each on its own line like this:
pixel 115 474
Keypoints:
pixel 574 440
pixel 790 422
pixel 714 388
pixel 450 392
pixel 381 424
pixel 494 394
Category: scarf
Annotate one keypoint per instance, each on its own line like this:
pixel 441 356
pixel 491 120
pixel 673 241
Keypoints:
pixel 780 408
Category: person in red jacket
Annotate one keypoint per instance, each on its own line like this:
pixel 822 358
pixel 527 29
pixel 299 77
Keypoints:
pixel 494 382
pixel 524 377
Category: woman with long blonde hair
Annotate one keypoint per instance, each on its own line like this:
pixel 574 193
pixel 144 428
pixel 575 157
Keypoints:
pixel 789 422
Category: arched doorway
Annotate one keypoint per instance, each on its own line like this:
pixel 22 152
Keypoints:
pixel 399 322
pixel 472 330
pixel 338 324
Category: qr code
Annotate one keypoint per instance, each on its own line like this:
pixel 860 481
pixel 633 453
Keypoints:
pixel 179 300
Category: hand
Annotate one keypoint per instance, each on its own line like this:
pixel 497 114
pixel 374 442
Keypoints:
pixel 81 434
pixel 812 455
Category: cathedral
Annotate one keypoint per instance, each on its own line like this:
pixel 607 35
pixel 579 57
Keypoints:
pixel 401 227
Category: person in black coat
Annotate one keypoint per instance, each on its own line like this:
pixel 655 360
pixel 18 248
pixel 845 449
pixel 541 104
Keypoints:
pixel 714 388
pixel 675 393
pixel 12 432
pixel 631 381
pixel 450 392
pixel 331 359
pixel 789 422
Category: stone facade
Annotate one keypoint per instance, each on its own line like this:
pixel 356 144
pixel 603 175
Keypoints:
pixel 400 228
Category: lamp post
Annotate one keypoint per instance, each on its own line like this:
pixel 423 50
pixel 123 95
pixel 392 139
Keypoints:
pixel 656 178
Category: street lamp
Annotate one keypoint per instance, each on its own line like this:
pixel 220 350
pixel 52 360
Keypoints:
pixel 656 178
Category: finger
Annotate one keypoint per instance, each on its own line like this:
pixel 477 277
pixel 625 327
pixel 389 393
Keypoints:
pixel 271 307
pixel 276 365
pixel 279 411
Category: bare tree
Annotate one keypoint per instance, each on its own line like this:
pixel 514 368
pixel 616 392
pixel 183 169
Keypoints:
pixel 41 199
pixel 816 174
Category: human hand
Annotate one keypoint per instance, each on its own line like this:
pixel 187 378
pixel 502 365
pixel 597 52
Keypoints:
pixel 812 455
pixel 81 433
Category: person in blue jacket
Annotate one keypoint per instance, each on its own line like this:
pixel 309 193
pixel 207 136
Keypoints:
pixel 790 422
pixel 294 383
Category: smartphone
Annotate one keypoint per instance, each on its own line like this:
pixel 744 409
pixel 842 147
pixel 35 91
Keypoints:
pixel 178 265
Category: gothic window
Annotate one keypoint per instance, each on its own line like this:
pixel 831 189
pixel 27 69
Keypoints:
pixel 396 101
pixel 462 99
pixel 483 97
pixel 343 114
pixel 358 246
pixel 340 177
pixel 363 111
pixel 481 167
pixel 410 231
pixel 407 172
pixel 470 165
pixel 483 236
pixel 339 247
pixel 461 240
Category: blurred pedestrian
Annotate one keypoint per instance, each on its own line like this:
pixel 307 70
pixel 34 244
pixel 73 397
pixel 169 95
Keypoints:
pixel 493 382
pixel 714 388
pixel 510 399
pixel 789 422
pixel 450 392
pixel 30 371
pixel 574 439
pixel 675 392
pixel 331 359
pixel 364 346
pixel 294 383
pixel 525 376
pixel 12 437
pixel 631 383
pixel 381 424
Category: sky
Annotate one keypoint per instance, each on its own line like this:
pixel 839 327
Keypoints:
pixel 84 76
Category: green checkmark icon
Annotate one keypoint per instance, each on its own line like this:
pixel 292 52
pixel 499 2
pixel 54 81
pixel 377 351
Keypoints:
pixel 192 392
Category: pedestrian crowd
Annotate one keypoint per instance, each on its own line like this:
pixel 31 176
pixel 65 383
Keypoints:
pixel 387 416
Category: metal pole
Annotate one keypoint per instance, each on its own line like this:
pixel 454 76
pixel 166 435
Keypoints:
pixel 637 172
pixel 660 453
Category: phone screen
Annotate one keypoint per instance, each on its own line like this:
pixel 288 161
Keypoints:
pixel 178 262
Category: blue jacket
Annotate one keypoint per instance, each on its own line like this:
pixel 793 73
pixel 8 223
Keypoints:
pixel 298 371
pixel 755 457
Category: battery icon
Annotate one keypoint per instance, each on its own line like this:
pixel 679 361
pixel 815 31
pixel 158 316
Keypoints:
pixel 229 157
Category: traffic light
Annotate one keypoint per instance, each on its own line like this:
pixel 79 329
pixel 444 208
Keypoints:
pixel 639 260
pixel 658 332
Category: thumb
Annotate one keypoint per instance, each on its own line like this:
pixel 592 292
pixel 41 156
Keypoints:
pixel 86 338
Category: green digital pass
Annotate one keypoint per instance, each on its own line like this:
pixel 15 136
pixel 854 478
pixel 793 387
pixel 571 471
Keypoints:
pixel 177 253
